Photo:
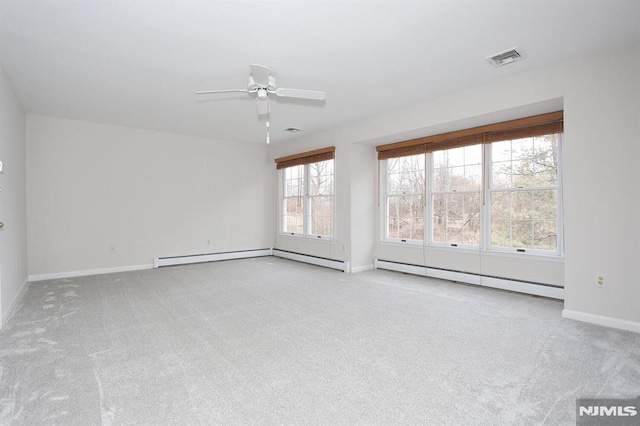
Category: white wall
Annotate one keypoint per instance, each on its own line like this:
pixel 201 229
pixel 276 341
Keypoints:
pixel 13 237
pixel 600 96
pixel 363 202
pixel 602 181
pixel 148 194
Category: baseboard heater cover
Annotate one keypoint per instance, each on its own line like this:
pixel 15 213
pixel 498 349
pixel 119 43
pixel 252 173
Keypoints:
pixel 545 290
pixel 209 257
pixel 320 261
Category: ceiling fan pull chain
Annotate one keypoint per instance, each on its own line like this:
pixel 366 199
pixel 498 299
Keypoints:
pixel 268 141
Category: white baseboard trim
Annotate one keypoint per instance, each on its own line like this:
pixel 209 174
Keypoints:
pixel 400 267
pixel 602 320
pixel 15 303
pixel 320 261
pixel 209 257
pixel 99 271
pixel 362 268
pixel 523 287
pixel 500 283
pixel 454 276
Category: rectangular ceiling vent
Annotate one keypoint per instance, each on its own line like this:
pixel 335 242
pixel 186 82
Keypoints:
pixel 505 57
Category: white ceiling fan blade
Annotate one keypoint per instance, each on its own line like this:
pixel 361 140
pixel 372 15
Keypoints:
pixel 301 94
pixel 260 74
pixel 262 105
pixel 206 92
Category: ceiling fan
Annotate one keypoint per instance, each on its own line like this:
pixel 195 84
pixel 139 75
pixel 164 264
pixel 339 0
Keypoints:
pixel 263 84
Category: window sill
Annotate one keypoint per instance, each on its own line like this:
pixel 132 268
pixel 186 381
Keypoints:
pixel 307 237
pixel 475 250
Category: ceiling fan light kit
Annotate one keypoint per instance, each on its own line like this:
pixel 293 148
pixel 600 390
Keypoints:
pixel 263 84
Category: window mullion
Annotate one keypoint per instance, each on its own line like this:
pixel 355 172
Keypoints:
pixel 306 206
pixel 428 208
pixel 487 196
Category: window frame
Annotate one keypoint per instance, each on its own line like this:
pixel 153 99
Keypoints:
pixel 487 237
pixel 283 200
pixel 430 193
pixel 386 195
pixel 308 197
pixel 306 210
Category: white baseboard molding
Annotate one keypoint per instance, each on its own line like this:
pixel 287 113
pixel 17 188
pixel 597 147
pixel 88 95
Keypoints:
pixel 401 267
pixel 320 261
pixel 524 287
pixel 15 303
pixel 500 283
pixel 99 271
pixel 602 320
pixel 209 257
pixel 362 268
pixel 454 276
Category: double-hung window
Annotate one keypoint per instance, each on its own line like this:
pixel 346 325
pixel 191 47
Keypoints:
pixel 494 187
pixel 307 193
pixel 524 193
pixel 293 199
pixel 456 189
pixel 405 198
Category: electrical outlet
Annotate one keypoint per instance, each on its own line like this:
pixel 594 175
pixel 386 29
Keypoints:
pixel 208 242
pixel 112 249
pixel 601 280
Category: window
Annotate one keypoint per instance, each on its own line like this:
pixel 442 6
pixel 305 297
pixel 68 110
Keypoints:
pixel 524 193
pixel 405 198
pixel 455 195
pixel 307 193
pixel 293 196
pixel 495 187
pixel 320 198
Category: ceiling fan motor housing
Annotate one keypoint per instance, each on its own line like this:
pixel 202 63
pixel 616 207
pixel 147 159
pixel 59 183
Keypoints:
pixel 253 86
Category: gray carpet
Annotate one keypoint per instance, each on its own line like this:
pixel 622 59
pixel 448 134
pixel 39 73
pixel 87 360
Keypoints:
pixel 270 341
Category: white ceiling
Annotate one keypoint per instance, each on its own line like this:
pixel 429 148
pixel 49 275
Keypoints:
pixel 139 63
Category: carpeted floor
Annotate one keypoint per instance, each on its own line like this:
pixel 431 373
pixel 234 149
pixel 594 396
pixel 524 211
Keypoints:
pixel 270 341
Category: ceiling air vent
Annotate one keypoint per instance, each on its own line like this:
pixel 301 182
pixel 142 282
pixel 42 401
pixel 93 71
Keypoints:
pixel 292 129
pixel 504 58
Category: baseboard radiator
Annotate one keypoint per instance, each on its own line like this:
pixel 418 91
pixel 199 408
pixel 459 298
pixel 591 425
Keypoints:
pixel 538 289
pixel 209 257
pixel 320 261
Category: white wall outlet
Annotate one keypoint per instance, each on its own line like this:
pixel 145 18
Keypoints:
pixel 601 280
pixel 208 242
pixel 112 249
